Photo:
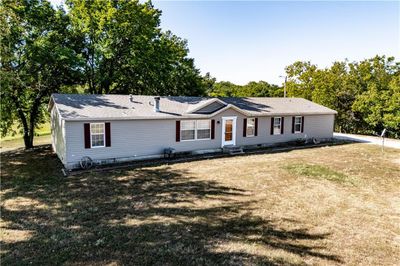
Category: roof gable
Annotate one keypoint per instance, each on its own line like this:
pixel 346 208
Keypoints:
pixel 207 107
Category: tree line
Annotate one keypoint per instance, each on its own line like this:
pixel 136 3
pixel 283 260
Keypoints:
pixel 251 89
pixel 365 94
pixel 106 46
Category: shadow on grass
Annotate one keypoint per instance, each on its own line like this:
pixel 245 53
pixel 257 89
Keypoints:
pixel 142 216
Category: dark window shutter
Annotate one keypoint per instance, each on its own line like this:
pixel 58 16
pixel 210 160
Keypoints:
pixel 108 134
pixel 178 131
pixel 86 127
pixel 212 129
pixel 244 127
pixel 302 124
pixel 293 118
pixel 272 126
pixel 256 127
pixel 282 123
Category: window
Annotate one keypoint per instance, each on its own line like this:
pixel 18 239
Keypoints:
pixel 195 130
pixel 277 125
pixel 188 130
pixel 203 129
pixel 97 136
pixel 250 130
pixel 297 124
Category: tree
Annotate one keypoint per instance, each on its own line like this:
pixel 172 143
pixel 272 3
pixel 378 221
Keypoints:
pixel 300 77
pixel 251 89
pixel 260 89
pixel 125 50
pixel 208 83
pixel 103 46
pixel 376 105
pixel 391 116
pixel 223 89
pixel 37 59
pixel 365 93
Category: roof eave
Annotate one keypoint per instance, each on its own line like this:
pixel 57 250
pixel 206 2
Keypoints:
pixel 189 116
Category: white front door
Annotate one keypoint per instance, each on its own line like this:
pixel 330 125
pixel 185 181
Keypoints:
pixel 228 130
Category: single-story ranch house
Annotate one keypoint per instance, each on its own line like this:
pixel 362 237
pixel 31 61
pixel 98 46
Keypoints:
pixel 115 128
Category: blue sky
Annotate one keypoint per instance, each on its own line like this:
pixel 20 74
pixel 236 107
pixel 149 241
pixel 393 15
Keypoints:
pixel 242 41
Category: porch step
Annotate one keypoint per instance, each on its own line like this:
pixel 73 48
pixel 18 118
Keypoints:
pixel 232 150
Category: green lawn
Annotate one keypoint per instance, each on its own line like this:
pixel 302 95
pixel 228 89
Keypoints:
pixel 44 129
pixel 12 142
pixel 19 142
pixel 329 205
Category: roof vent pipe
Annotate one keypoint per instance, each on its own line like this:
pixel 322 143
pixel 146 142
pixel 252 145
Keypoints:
pixel 157 104
pixel 131 98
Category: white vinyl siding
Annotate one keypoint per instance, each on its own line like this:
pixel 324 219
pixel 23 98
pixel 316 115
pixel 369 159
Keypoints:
pixel 97 135
pixel 297 124
pixel 140 138
pixel 195 129
pixel 277 125
pixel 58 135
pixel 250 127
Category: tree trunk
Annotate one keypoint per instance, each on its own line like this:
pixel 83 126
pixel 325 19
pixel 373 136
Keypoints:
pixel 33 118
pixel 28 140
pixel 29 128
pixel 28 135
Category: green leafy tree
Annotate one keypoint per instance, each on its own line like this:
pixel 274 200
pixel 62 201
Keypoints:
pixel 100 46
pixel 125 50
pixel 252 89
pixel 208 83
pixel 300 79
pixel 37 59
pixel 375 105
pixel 224 89
pixel 391 116
pixel 365 93
pixel 260 89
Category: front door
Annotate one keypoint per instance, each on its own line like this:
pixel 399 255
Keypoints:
pixel 228 131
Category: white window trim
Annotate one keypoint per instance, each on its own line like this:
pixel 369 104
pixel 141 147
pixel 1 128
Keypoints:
pixel 301 122
pixel 195 130
pixel 280 125
pixel 254 127
pixel 209 126
pixel 91 134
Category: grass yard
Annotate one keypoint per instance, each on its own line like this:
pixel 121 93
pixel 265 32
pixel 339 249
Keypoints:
pixel 331 205
pixel 44 129
pixel 12 142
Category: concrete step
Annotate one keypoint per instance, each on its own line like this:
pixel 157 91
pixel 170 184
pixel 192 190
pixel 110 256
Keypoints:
pixel 236 152
pixel 232 150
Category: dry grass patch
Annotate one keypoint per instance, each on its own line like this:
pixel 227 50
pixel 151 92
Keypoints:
pixel 289 208
pixel 22 203
pixel 12 236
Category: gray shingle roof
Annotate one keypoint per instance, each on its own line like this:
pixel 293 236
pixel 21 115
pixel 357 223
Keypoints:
pixel 111 106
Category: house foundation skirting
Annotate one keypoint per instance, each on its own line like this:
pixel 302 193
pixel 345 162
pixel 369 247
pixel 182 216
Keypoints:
pixel 121 160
